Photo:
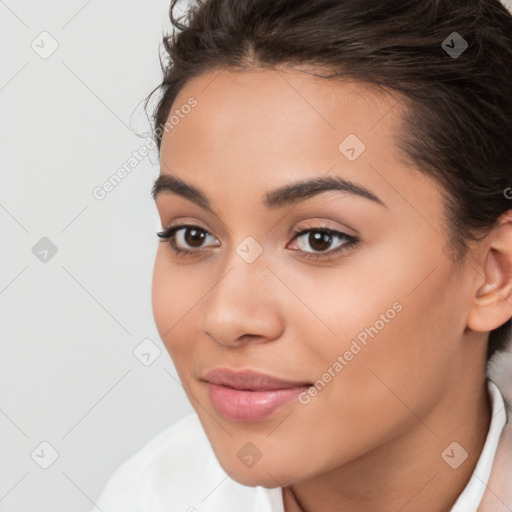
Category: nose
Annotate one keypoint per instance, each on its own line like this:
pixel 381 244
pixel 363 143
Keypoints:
pixel 243 305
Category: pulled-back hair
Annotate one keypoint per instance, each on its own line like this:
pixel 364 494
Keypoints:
pixel 457 121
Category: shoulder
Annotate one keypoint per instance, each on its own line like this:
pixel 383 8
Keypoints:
pixel 167 464
pixel 177 471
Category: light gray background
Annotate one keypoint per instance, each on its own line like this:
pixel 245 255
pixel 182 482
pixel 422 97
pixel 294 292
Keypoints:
pixel 69 325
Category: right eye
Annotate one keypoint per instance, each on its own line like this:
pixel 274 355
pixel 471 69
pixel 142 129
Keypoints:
pixel 188 236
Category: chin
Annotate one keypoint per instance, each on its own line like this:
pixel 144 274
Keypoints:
pixel 265 473
pixel 261 478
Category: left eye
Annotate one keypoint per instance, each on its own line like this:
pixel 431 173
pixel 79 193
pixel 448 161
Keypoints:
pixel 321 239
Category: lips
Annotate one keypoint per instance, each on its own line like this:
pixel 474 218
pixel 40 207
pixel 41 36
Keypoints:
pixel 249 396
pixel 249 380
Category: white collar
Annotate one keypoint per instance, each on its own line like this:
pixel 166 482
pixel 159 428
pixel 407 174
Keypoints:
pixel 507 4
pixel 471 496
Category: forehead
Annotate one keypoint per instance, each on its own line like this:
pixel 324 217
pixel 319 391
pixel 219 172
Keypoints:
pixel 265 101
pixel 283 115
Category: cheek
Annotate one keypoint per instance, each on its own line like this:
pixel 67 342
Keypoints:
pixel 393 301
pixel 161 296
pixel 396 348
pixel 174 297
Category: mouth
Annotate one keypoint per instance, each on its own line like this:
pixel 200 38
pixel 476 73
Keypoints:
pixel 249 396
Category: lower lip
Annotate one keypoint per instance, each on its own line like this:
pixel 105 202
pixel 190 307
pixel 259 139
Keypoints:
pixel 250 406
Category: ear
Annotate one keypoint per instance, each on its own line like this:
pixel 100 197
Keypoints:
pixel 491 305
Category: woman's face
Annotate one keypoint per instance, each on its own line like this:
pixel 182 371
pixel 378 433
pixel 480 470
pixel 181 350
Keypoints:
pixel 377 324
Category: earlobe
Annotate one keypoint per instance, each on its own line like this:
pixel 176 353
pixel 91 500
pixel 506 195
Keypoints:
pixel 492 302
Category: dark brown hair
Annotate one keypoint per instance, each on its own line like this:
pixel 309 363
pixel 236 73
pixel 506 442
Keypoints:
pixel 457 121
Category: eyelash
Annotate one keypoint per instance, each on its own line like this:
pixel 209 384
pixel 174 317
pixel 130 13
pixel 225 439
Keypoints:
pixel 351 241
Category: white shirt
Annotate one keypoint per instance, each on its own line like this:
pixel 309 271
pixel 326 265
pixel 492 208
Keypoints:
pixel 471 496
pixel 177 471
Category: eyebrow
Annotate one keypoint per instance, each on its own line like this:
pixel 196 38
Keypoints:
pixel 279 198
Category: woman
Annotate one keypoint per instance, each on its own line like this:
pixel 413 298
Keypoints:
pixel 335 265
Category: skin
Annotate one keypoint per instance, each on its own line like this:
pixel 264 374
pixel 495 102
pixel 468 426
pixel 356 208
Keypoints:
pixel 372 439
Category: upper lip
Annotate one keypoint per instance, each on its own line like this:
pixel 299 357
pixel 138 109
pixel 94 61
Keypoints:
pixel 249 380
